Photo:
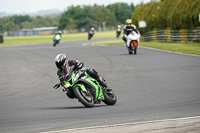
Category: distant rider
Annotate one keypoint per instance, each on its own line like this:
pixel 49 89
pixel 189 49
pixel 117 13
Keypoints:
pixel 92 30
pixel 91 33
pixel 58 34
pixel 118 31
pixel 128 28
pixel 119 27
pixel 66 68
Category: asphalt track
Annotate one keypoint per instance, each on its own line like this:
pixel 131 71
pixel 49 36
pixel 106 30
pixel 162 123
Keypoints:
pixel 152 85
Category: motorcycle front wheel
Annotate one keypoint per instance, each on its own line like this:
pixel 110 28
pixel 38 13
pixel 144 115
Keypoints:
pixel 135 47
pixel 86 99
pixel 129 51
pixel 135 50
pixel 54 43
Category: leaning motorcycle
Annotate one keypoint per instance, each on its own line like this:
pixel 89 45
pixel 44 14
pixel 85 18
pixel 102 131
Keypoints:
pixel 56 39
pixel 118 32
pixel 90 35
pixel 87 90
pixel 132 42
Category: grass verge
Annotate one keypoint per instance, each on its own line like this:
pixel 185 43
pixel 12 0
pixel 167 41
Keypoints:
pixel 187 48
pixel 49 38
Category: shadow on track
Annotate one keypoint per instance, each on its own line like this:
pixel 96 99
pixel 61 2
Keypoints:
pixel 62 108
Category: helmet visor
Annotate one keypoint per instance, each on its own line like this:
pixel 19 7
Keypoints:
pixel 59 65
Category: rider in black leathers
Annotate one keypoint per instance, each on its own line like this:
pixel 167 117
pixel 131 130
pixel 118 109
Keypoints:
pixel 128 28
pixel 66 67
pixel 91 33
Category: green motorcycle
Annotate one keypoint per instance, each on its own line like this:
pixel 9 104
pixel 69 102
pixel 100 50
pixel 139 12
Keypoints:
pixel 87 90
pixel 56 39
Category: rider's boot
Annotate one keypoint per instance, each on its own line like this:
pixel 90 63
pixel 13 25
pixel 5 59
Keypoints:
pixel 93 73
pixel 102 82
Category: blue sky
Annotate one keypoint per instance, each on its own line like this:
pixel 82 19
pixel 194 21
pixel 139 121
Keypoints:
pixel 32 6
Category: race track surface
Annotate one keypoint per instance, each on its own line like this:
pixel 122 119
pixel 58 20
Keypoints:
pixel 152 85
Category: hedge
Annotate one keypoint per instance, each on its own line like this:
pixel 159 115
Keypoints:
pixel 175 14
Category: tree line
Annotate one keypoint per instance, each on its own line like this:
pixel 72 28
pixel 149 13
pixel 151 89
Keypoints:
pixel 85 17
pixel 75 17
pixel 173 14
pixel 18 22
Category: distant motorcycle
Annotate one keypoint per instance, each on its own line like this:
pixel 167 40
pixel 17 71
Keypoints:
pixel 132 42
pixel 87 90
pixel 118 32
pixel 90 34
pixel 56 39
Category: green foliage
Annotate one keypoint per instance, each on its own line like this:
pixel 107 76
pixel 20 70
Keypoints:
pixel 86 17
pixel 102 14
pixel 44 21
pixel 14 23
pixel 122 11
pixel 175 14
pixel 19 19
pixel 75 17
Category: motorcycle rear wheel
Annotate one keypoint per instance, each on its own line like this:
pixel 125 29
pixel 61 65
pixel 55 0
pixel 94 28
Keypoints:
pixel 85 99
pixel 109 97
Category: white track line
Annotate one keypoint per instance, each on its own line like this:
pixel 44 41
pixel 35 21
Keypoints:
pixel 124 124
pixel 86 44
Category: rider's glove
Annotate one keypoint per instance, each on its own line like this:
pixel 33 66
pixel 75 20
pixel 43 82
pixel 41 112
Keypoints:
pixel 62 79
pixel 125 36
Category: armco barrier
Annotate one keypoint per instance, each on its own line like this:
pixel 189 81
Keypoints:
pixel 169 35
pixel 198 34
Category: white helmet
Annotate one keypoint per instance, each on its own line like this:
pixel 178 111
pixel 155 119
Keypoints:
pixel 61 60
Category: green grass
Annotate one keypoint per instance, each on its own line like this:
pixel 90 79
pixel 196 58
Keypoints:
pixel 187 48
pixel 49 38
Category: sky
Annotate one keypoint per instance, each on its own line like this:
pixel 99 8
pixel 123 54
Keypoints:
pixel 33 6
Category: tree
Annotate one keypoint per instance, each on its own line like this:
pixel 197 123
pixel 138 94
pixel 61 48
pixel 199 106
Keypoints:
pixel 102 14
pixel 86 17
pixel 122 11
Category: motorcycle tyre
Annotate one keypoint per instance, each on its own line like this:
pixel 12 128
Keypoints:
pixel 54 44
pixel 108 99
pixel 135 50
pixel 118 35
pixel 130 52
pixel 80 97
